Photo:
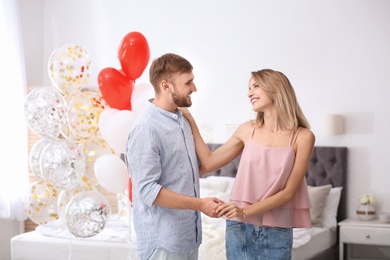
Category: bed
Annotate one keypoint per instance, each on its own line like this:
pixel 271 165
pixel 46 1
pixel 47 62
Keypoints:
pixel 326 178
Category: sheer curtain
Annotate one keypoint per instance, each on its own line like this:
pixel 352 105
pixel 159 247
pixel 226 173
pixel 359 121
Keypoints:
pixel 13 127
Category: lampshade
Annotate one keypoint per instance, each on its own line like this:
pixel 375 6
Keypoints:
pixel 333 124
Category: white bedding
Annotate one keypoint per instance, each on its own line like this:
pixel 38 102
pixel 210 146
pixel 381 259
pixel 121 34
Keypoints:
pixel 115 241
pixel 307 242
pixel 56 243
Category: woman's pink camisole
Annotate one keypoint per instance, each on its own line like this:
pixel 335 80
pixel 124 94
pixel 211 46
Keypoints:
pixel 262 172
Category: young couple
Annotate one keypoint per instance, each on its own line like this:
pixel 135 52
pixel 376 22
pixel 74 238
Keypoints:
pixel 166 155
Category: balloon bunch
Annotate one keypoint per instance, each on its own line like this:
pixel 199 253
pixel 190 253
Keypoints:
pixel 83 133
pixel 117 86
pixel 72 157
pixel 125 99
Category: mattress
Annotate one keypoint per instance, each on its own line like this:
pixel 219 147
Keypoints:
pixel 320 240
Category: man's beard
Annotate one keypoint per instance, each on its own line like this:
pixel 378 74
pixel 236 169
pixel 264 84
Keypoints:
pixel 180 101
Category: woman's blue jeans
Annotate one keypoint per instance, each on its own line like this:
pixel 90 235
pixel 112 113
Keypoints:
pixel 248 242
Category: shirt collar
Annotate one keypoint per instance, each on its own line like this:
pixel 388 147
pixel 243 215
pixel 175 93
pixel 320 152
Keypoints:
pixel 174 115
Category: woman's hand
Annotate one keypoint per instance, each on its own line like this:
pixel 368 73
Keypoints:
pixel 186 113
pixel 230 211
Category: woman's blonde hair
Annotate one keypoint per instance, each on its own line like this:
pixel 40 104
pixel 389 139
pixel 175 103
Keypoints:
pixel 282 94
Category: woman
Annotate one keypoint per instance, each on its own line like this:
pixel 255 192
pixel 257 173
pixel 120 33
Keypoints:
pixel 269 196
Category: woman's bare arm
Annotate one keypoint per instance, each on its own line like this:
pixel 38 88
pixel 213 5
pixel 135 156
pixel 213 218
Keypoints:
pixel 210 161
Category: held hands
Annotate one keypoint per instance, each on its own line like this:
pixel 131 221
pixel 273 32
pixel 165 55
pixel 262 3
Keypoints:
pixel 231 211
pixel 210 205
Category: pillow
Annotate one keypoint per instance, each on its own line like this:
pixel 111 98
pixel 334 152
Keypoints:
pixel 214 183
pixel 318 196
pixel 329 217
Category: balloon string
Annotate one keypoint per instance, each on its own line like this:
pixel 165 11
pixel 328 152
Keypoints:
pixel 70 246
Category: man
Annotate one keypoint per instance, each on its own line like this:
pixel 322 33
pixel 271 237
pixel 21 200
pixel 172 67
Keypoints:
pixel 164 168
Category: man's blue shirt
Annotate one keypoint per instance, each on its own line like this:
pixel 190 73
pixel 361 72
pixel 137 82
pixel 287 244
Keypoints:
pixel 161 153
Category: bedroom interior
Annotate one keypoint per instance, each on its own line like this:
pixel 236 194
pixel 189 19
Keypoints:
pixel 335 53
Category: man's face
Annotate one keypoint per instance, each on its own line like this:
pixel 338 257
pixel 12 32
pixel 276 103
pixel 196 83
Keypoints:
pixel 181 89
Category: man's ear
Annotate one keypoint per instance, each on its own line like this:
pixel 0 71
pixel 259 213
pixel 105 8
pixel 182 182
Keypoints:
pixel 165 85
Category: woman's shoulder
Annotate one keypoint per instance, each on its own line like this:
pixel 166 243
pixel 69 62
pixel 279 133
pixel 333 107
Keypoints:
pixel 306 135
pixel 243 130
pixel 247 125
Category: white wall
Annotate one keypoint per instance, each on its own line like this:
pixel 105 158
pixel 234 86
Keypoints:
pixel 335 52
pixel 9 228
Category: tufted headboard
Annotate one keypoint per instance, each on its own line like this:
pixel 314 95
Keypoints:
pixel 328 165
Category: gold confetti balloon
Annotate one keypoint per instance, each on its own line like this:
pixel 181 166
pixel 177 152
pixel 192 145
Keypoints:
pixel 87 213
pixel 83 114
pixel 45 111
pixel 93 148
pixel 69 68
pixel 40 203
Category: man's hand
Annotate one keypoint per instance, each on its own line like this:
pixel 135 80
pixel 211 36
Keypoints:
pixel 230 211
pixel 209 206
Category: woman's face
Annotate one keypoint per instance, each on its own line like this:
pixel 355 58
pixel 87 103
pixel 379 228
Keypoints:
pixel 258 97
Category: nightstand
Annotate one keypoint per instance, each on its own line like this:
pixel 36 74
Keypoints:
pixel 354 231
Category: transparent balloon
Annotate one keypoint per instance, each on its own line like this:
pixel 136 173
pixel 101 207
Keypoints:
pixel 87 213
pixel 35 157
pixel 83 114
pixel 40 203
pixel 69 68
pixel 45 111
pixel 66 195
pixel 63 163
pixel 93 148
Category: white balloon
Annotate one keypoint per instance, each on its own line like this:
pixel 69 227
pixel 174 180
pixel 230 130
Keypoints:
pixel 140 96
pixel 115 127
pixel 111 173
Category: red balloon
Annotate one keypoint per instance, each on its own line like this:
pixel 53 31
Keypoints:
pixel 130 190
pixel 134 54
pixel 116 88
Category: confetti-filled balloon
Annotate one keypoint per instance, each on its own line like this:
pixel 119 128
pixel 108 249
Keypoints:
pixel 62 163
pixel 69 68
pixel 40 203
pixel 93 148
pixel 83 114
pixel 66 195
pixel 35 157
pixel 45 111
pixel 87 213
